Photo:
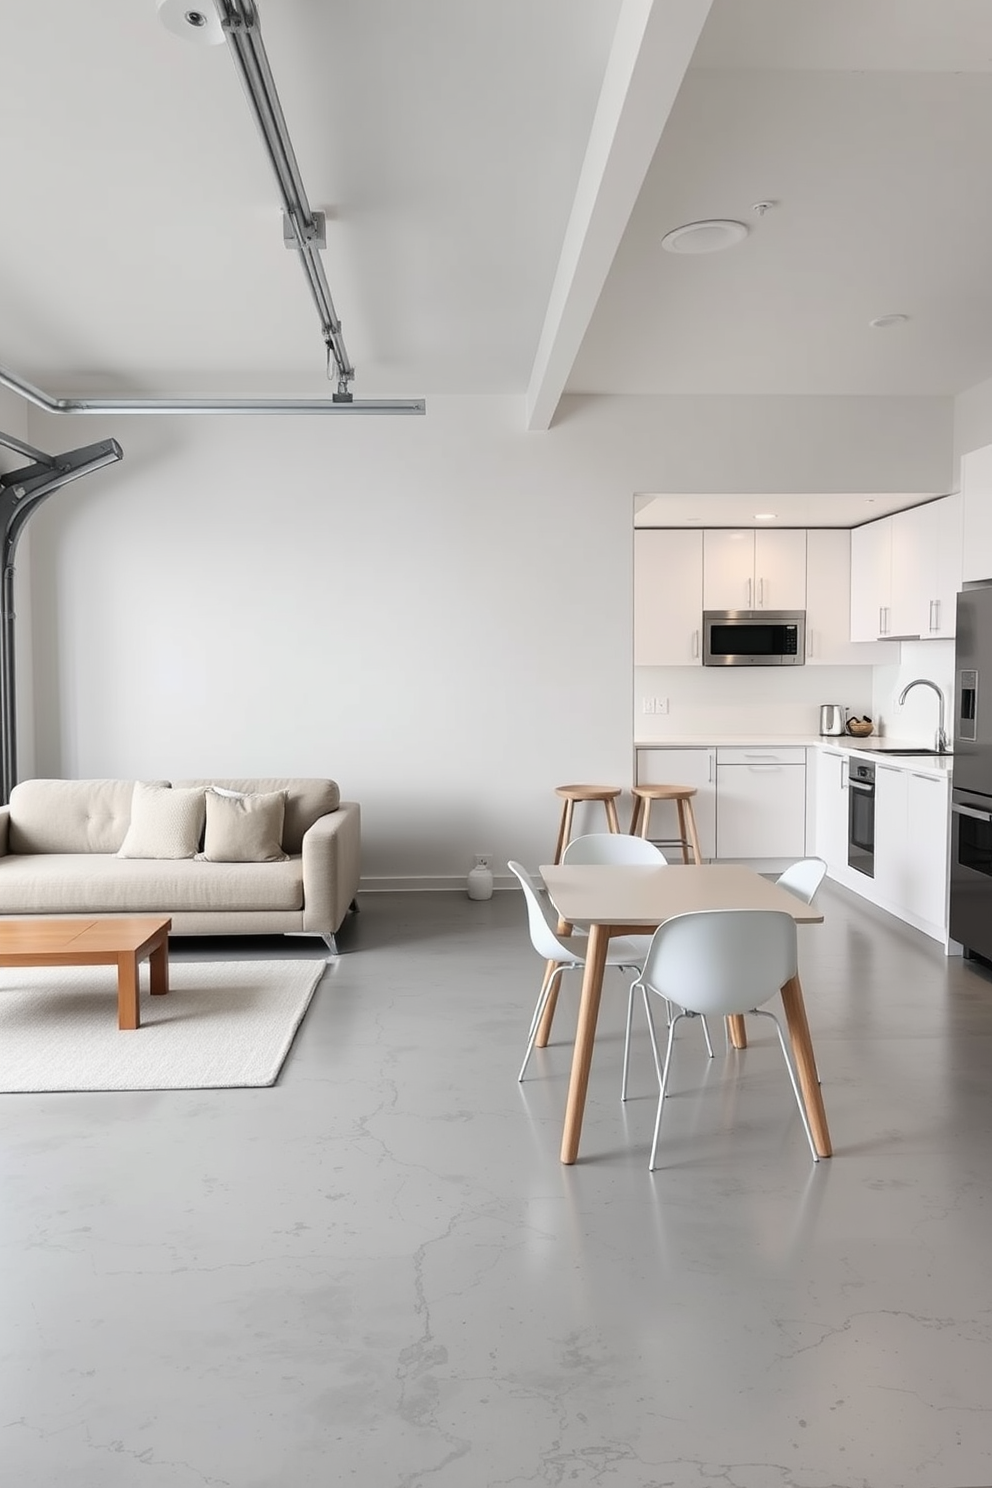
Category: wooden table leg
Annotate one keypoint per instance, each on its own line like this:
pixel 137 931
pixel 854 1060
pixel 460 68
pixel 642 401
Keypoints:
pixel 737 1031
pixel 585 1037
pixel 802 1053
pixel 127 990
pixel 158 964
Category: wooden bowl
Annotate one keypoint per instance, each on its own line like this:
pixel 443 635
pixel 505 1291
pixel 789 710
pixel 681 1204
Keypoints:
pixel 859 728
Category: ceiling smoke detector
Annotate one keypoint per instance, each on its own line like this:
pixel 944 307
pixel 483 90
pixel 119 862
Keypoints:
pixel 197 23
pixel 710 236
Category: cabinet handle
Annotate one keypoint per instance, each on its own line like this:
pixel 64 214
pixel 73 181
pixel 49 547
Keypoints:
pixel 710 775
pixel 695 645
pixel 936 610
pixel 881 620
pixel 933 625
pixel 932 778
pixel 749 604
pixel 809 643
pixel 761 594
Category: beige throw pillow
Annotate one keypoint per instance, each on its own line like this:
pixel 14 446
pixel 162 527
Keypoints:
pixel 244 829
pixel 165 823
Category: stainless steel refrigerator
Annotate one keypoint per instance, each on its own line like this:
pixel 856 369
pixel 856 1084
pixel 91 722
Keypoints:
pixel 971 795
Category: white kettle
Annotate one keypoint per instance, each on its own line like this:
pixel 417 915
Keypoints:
pixel 831 719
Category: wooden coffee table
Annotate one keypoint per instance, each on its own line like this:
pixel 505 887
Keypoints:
pixel 123 943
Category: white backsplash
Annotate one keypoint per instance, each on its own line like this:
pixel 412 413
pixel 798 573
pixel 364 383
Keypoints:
pixel 917 719
pixel 719 701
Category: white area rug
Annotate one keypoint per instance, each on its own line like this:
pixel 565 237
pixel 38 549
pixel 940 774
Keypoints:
pixel 223 1023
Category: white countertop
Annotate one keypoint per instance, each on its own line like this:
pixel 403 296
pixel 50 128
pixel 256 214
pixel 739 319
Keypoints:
pixel 874 747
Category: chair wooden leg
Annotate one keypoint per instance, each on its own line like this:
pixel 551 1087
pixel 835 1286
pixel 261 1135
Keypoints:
pixel 693 836
pixel 635 816
pixel 564 830
pixel 683 831
pixel 611 815
pixel 645 817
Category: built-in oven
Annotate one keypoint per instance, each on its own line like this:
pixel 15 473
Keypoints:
pixel 971 871
pixel 861 816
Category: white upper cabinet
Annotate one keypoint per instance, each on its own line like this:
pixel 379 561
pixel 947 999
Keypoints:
pixel 668 596
pixel 906 572
pixel 871 581
pixel 976 491
pixel 828 603
pixel 749 569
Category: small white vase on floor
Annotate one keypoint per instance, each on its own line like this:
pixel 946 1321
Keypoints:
pixel 480 882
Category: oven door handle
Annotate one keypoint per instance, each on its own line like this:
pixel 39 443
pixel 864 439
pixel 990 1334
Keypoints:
pixel 868 790
pixel 985 816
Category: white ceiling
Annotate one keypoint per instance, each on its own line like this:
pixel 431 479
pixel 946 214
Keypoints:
pixel 497 180
pixel 812 509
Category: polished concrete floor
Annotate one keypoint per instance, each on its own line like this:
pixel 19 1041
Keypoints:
pixel 378 1273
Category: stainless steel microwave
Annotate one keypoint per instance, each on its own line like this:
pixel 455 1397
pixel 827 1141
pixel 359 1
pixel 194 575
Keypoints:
pixel 754 637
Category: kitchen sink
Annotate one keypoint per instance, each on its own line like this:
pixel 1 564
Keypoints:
pixel 932 753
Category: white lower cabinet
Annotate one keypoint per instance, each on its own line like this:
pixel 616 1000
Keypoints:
pixel 761 803
pixel 911 845
pixel 696 767
pixel 829 807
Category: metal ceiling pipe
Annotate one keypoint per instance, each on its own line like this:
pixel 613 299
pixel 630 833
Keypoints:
pixel 243 32
pixel 21 493
pixel 41 399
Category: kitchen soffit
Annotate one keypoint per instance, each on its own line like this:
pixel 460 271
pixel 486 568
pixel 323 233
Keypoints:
pixel 816 509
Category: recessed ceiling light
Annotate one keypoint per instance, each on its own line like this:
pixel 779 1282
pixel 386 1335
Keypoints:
pixel 704 237
pixel 764 516
pixel 882 322
pixel 199 23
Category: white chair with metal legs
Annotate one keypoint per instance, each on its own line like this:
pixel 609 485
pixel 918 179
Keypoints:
pixel 724 962
pixel 803 878
pixel 566 952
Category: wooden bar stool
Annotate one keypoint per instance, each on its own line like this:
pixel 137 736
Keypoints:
pixel 682 795
pixel 570 794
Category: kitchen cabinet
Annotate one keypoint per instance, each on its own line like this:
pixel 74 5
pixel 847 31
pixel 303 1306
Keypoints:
pixel 829 806
pixel 976 494
pixel 761 803
pixel 905 573
pixel 754 569
pixel 668 596
pixel 911 844
pixel 694 766
pixel 828 604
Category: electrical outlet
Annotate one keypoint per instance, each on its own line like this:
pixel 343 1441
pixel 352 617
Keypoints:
pixel 661 705
pixel 483 860
pixel 647 705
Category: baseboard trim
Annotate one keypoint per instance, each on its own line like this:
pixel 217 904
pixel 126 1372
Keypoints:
pixel 439 884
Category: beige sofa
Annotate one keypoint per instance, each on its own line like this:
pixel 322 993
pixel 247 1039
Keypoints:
pixel 59 841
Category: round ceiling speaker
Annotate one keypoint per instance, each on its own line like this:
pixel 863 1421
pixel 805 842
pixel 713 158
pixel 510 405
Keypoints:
pixel 199 23
pixel 710 236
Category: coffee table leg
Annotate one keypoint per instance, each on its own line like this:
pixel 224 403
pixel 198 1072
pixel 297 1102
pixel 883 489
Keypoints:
pixel 802 1053
pixel 585 1037
pixel 127 990
pixel 737 1030
pixel 158 964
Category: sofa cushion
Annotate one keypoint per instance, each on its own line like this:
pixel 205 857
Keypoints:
pixel 243 828
pixel 103 883
pixel 165 823
pixel 307 799
pixel 66 816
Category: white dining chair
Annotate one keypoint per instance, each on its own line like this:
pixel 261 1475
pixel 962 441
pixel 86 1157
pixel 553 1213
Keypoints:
pixel 723 962
pixel 803 878
pixel 564 952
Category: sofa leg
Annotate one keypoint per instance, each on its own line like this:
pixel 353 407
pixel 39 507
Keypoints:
pixel 332 944
pixel 353 906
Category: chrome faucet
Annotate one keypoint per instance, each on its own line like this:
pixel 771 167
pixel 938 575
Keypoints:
pixel 940 737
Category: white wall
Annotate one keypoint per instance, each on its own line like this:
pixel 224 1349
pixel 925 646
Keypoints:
pixel 435 611
pixel 972 422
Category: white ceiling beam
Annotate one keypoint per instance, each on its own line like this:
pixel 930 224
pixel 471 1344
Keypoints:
pixel 651 51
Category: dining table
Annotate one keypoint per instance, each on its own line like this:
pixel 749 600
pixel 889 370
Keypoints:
pixel 634 899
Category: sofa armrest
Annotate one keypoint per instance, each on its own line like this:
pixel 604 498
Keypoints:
pixel 4 830
pixel 331 868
